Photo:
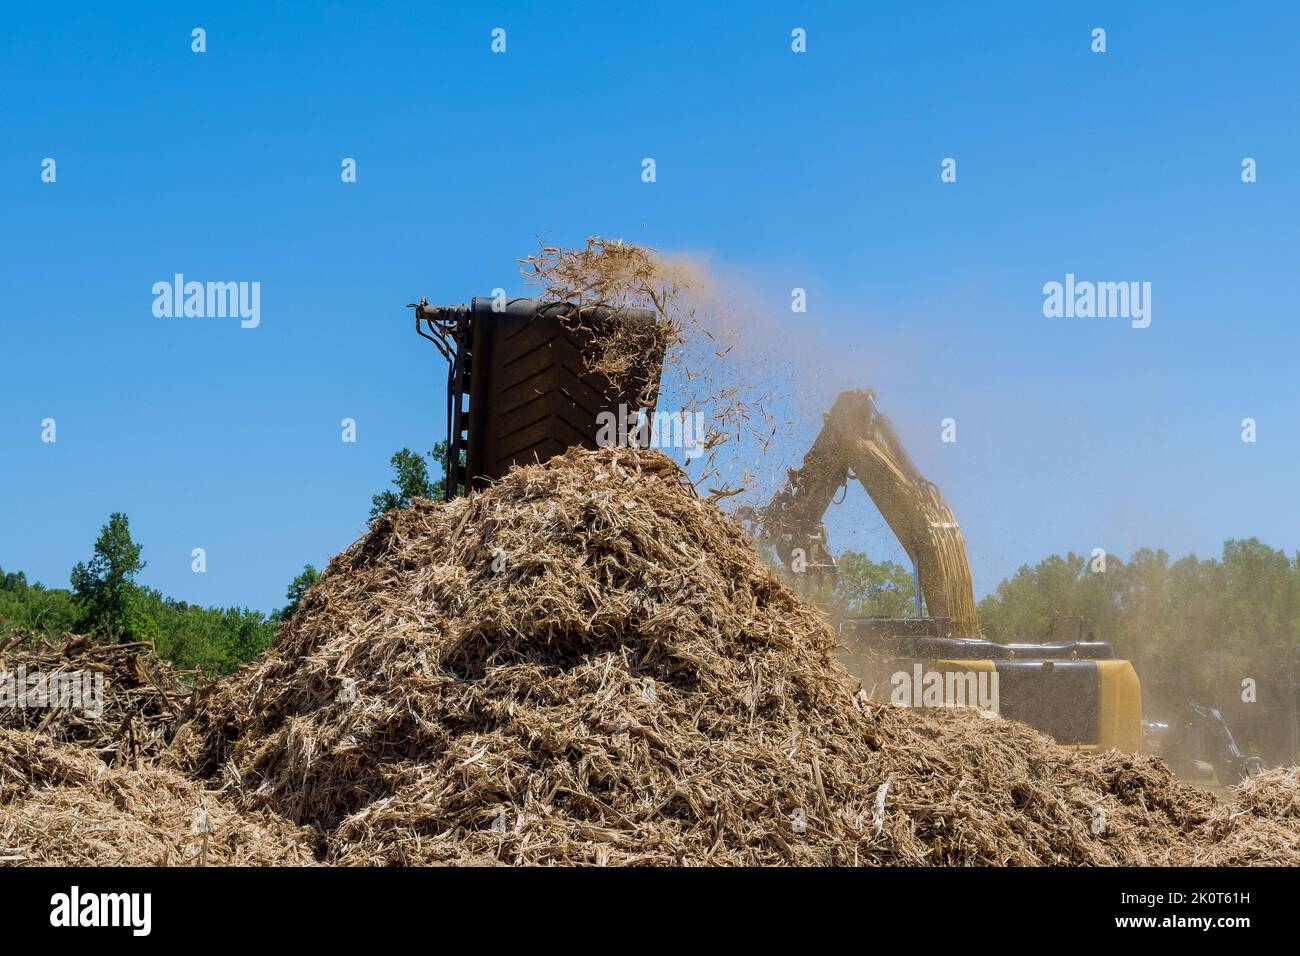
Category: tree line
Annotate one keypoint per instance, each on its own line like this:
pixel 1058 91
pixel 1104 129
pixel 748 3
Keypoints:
pixel 106 600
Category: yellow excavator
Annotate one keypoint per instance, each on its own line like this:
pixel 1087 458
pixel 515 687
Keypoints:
pixel 1069 686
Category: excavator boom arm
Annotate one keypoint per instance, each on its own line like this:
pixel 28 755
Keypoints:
pixel 857 439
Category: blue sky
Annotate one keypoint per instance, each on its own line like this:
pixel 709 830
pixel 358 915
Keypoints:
pixel 818 170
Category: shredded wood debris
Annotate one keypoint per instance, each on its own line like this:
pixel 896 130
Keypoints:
pixel 137 695
pixel 429 705
pixel 60 805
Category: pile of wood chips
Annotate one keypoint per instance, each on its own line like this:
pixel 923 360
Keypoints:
pixel 142 695
pixel 587 664
pixel 60 805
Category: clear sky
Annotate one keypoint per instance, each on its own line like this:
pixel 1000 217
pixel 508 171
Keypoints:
pixel 818 170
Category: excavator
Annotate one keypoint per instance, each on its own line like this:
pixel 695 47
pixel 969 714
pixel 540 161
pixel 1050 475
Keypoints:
pixel 1074 689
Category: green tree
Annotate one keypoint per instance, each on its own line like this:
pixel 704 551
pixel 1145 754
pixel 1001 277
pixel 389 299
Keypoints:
pixel 860 588
pixel 32 609
pixel 411 480
pixel 245 635
pixel 12 582
pixel 103 588
pixel 1262 591
pixel 215 640
pixel 297 588
pixel 866 588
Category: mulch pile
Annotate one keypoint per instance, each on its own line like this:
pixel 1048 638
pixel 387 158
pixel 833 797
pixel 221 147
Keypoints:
pixel 142 695
pixel 60 805
pixel 588 664
pixel 1273 794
